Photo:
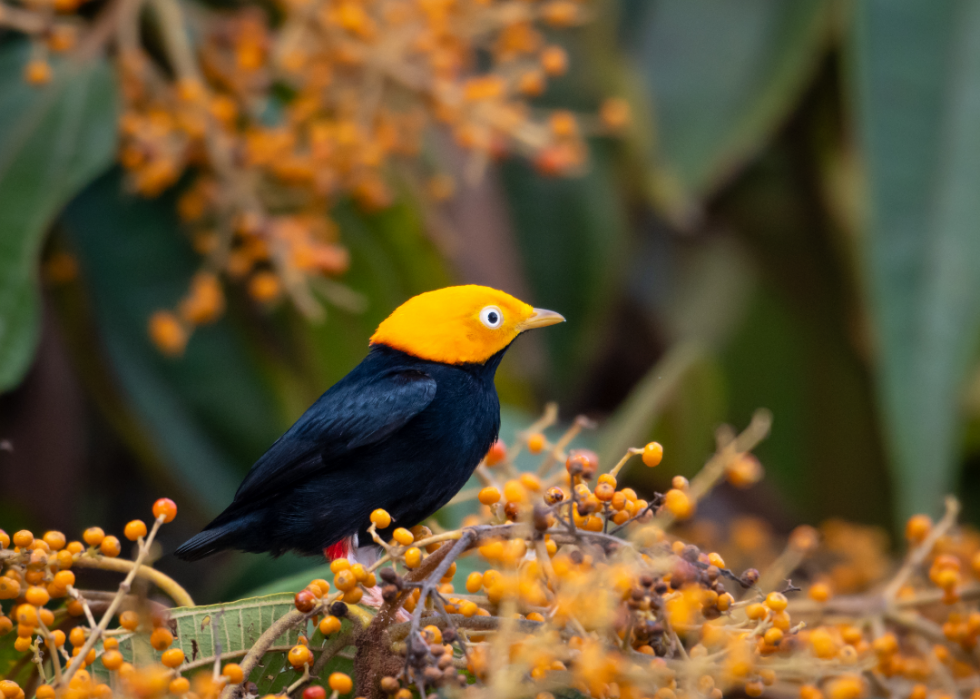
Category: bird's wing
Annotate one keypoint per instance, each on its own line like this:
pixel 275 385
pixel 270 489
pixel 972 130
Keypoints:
pixel 348 416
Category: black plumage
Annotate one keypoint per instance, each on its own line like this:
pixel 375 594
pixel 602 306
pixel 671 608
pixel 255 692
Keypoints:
pixel 398 432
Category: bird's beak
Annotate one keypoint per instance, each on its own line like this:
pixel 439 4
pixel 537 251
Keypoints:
pixel 541 318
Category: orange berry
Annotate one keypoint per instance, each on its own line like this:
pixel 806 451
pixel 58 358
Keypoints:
pixel 413 557
pixel 93 536
pixel 110 547
pixel 381 519
pixel 23 538
pixel 55 540
pixel 9 588
pixel 679 504
pixel 403 536
pixel 329 624
pixel 172 657
pixel 339 682
pixel 22 644
pixel 135 529
pixel 235 674
pixel 514 491
pixel 26 615
pixel 110 644
pixel 554 60
pixel 614 113
pixel 38 596
pixel 773 636
pixel 474 581
pixel 653 454
pixel 166 509
pixel 161 638
pixel 776 601
pixel 129 620
pixel 112 659
pixel 299 656
pixel 264 287
pixel 322 584
pixel 536 443
pixel 37 72
pixel 44 691
pixel 497 453
pixel 339 564
pixel 168 333
pixel 756 611
pixel 819 592
pixel 489 495
pixel 179 686
pixel 345 580
pixel 918 528
pixel 9 688
pixel 4 540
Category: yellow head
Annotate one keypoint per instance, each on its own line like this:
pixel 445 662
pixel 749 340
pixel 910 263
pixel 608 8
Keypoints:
pixel 459 324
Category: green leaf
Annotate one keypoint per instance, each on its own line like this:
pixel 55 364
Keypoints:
pixel 916 78
pixel 722 77
pixel 234 627
pixel 53 140
pixel 210 413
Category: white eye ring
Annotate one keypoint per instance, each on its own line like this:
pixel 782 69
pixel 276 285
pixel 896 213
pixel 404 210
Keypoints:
pixel 492 317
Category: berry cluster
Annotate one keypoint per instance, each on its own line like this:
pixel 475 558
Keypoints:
pixel 563 581
pixel 280 111
pixel 45 604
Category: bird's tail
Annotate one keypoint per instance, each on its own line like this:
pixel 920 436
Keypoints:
pixel 217 537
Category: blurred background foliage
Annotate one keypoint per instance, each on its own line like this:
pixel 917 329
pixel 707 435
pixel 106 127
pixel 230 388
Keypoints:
pixel 792 221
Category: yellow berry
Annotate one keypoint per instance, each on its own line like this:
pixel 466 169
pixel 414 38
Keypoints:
pixel 653 454
pixel 339 564
pixel 489 495
pixel 535 443
pixel 413 557
pixel 776 601
pixel 819 592
pixel 381 519
pixel 474 581
pixel 679 504
pixel 403 536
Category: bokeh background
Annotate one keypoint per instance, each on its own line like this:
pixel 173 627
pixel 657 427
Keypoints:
pixel 791 220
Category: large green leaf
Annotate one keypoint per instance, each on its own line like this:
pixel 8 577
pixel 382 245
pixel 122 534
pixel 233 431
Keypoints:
pixel 234 628
pixel 53 140
pixel 210 413
pixel 916 78
pixel 722 76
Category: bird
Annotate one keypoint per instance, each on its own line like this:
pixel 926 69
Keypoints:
pixel 403 432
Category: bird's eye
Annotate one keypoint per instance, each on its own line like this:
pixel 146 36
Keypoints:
pixel 492 317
